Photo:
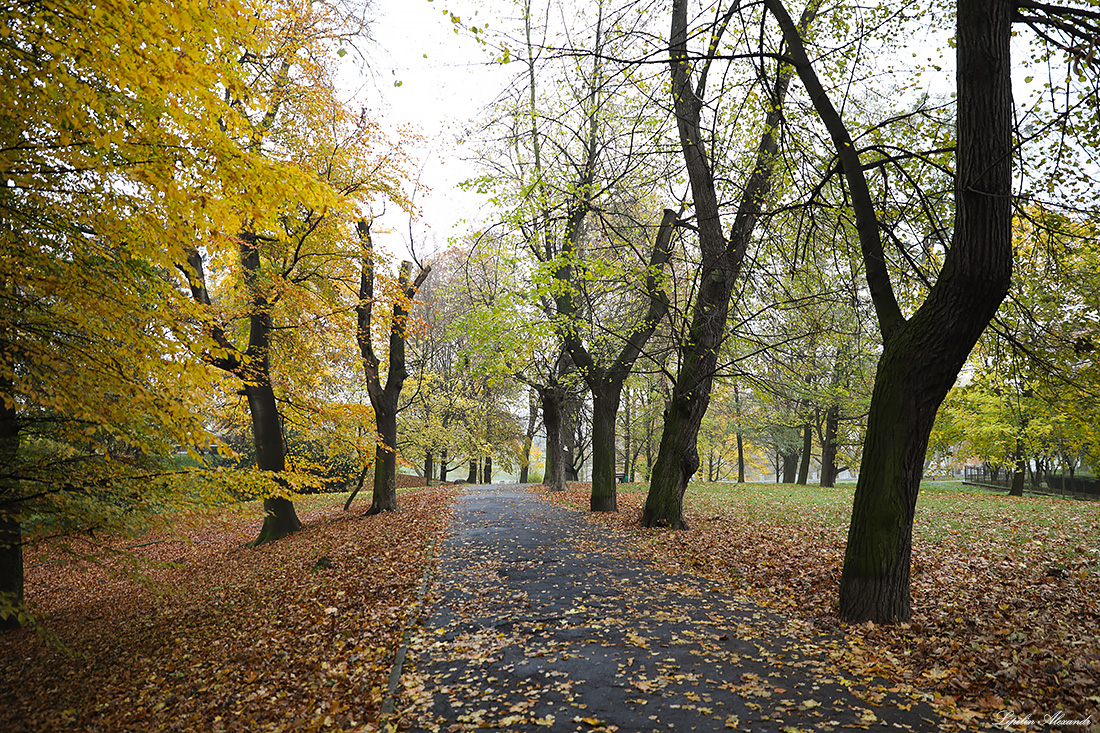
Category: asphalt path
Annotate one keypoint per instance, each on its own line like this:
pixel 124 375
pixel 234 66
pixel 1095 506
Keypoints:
pixel 537 621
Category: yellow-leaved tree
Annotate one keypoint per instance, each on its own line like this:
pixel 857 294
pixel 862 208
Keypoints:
pixel 135 141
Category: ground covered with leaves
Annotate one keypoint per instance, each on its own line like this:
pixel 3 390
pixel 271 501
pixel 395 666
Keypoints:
pixel 1006 591
pixel 299 634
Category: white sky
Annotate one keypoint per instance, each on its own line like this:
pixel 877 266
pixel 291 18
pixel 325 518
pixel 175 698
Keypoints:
pixel 445 81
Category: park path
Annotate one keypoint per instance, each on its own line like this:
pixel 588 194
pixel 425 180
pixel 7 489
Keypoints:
pixel 537 621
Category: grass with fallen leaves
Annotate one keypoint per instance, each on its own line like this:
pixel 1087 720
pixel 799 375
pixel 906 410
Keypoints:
pixel 1006 591
pixel 298 634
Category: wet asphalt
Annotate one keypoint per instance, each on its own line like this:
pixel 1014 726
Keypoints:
pixel 536 621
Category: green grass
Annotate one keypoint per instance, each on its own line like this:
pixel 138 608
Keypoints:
pixel 1040 530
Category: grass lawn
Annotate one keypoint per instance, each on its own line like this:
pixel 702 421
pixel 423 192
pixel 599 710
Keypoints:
pixel 1006 591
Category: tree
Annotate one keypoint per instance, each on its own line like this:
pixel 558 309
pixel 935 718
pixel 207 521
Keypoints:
pixel 384 398
pixel 923 353
pixel 722 258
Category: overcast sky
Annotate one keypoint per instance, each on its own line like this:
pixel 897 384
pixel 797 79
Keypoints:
pixel 445 80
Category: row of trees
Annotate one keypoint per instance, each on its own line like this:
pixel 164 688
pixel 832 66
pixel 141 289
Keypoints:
pixel 829 240
pixel 714 227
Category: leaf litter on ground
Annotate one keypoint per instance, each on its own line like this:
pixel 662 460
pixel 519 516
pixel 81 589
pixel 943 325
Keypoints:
pixel 1005 591
pixel 299 634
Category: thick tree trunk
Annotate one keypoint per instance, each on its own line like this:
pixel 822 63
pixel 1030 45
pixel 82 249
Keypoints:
pixel 828 446
pixel 807 454
pixel 678 457
pixel 552 420
pixel 605 408
pixel 384 497
pixel 429 467
pixel 472 474
pixel 922 358
pixel 790 466
pixel 487 471
pixel 1019 474
pixel 280 518
pixel 11 529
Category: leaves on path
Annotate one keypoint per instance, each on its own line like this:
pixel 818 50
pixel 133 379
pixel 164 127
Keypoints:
pixel 1005 591
pixel 229 638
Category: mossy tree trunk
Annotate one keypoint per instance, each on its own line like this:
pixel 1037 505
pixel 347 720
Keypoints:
pixel 922 355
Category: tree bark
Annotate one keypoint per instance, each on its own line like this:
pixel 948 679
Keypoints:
pixel 551 399
pixel 922 356
pixel 678 456
pixel 487 471
pixel 429 467
pixel 11 528
pixel 828 446
pixel 807 454
pixel 1019 474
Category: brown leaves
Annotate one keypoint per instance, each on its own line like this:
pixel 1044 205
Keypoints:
pixel 1005 591
pixel 234 638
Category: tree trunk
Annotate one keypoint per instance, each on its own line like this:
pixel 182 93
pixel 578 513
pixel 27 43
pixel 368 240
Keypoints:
pixel 1019 474
pixel 790 466
pixel 605 408
pixel 357 489
pixel 280 519
pixel 555 455
pixel 807 454
pixel 828 446
pixel 487 471
pixel 443 466
pixel 11 529
pixel 472 474
pixel 384 497
pixel 429 467
pixel 740 458
pixel 922 356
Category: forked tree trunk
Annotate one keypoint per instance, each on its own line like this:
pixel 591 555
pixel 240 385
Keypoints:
pixel 384 398
pixel 922 355
pixel 678 456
